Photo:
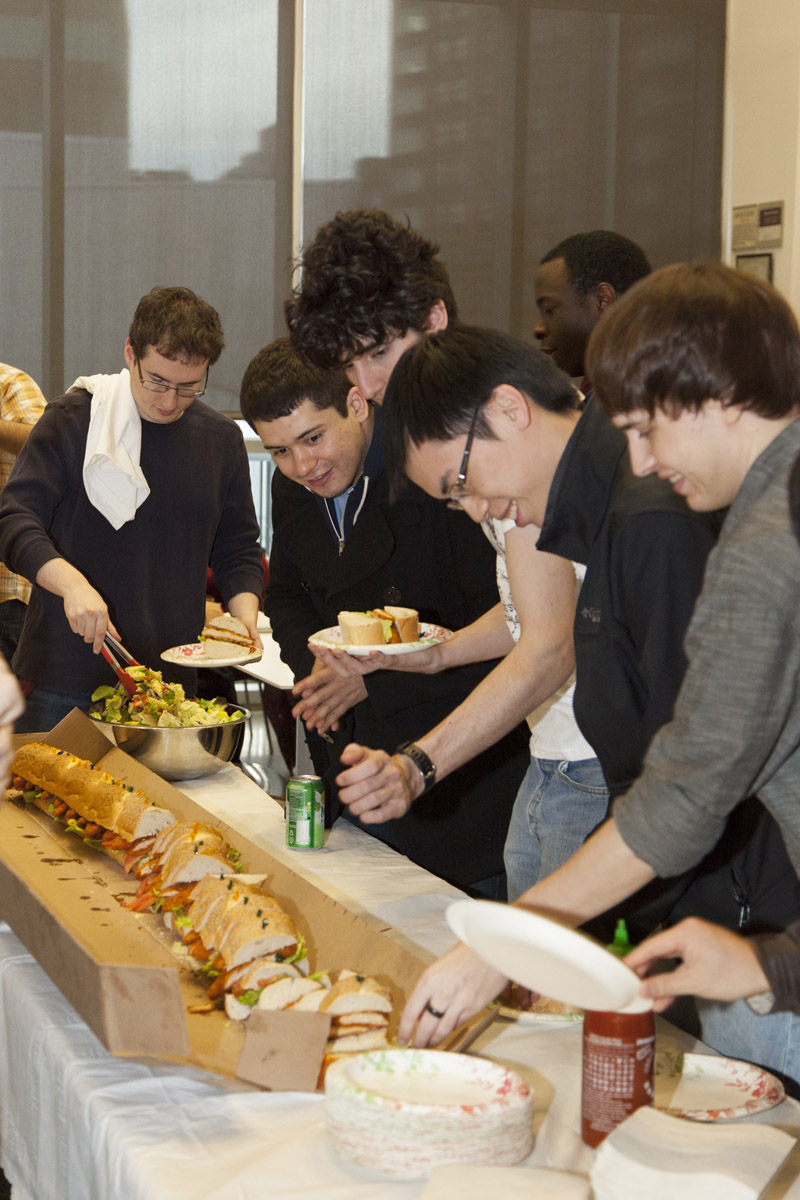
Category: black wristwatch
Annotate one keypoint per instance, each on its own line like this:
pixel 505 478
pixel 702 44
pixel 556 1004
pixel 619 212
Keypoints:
pixel 420 759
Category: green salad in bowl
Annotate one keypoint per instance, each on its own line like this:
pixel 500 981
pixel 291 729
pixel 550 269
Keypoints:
pixel 157 704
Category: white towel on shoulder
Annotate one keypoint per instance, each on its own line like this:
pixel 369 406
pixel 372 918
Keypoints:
pixel 112 475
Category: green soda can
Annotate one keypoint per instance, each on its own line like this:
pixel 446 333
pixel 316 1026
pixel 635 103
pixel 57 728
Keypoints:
pixel 305 812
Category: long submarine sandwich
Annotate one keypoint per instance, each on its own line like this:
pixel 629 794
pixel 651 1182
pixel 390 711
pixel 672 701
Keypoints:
pixel 107 813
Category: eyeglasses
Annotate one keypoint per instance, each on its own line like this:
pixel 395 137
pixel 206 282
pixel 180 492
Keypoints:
pixel 460 490
pixel 158 385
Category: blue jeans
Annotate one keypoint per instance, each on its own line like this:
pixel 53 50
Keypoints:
pixel 557 806
pixel 772 1041
pixel 45 707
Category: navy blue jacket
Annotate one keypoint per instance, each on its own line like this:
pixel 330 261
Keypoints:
pixel 417 553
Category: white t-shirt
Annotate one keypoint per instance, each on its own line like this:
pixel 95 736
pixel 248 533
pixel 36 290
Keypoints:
pixel 554 730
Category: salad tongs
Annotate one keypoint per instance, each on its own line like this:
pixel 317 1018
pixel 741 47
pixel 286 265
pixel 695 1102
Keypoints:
pixel 109 651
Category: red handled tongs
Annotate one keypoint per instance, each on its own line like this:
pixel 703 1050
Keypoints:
pixel 109 651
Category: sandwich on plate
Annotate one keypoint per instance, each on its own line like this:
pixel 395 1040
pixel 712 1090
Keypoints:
pixel 379 626
pixel 225 637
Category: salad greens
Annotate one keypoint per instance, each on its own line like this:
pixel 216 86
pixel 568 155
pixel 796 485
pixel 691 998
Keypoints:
pixel 156 703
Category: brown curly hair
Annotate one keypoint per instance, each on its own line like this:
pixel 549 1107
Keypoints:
pixel 366 278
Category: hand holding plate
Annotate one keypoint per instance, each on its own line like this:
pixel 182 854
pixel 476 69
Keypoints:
pixel 347 665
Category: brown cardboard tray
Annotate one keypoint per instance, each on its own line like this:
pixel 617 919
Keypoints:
pixel 117 968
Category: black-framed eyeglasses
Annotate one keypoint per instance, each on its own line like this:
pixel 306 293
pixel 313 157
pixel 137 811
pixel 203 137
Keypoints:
pixel 460 490
pixel 158 385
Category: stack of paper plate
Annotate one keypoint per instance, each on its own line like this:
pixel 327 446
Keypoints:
pixel 404 1112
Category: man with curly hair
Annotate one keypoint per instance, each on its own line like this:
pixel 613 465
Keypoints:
pixel 371 286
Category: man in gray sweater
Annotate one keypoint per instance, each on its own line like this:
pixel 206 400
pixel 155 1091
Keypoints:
pixel 700 366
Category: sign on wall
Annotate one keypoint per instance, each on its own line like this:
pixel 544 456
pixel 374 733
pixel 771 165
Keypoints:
pixel 757 226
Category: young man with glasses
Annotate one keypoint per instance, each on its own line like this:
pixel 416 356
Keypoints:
pixel 127 489
pixel 565 473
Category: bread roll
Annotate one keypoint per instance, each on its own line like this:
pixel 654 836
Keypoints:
pixel 406 621
pixel 380 626
pixel 228 630
pixel 361 629
pixel 354 993
pixel 94 794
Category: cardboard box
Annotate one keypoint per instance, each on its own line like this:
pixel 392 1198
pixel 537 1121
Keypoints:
pixel 118 969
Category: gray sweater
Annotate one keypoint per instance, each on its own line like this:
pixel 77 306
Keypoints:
pixel 736 725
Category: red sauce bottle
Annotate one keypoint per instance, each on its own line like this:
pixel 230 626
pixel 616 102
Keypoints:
pixel 618 1060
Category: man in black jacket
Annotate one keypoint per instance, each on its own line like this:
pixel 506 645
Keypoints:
pixel 339 544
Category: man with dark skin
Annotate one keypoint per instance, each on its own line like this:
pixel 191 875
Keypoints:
pixel 577 281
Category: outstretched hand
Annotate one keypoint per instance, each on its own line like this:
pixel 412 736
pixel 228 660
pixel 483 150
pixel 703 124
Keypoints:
pixel 325 697
pixel 377 787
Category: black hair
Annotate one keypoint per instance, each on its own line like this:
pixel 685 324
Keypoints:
pixel 440 381
pixel 600 256
pixel 277 381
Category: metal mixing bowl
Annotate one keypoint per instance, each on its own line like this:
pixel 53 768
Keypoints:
pixel 185 753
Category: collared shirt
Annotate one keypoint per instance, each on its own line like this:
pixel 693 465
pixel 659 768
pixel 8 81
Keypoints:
pixel 736 724
pixel 20 400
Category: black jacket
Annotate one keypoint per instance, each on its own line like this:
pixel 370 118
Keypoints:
pixel 419 553
pixel 645 553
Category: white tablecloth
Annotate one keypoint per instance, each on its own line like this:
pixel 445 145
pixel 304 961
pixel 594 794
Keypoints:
pixel 76 1123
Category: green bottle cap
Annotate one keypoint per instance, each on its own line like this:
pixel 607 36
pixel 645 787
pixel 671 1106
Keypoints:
pixel 621 944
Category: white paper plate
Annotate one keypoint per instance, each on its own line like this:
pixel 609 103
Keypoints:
pixel 544 956
pixel 193 654
pixel 404 1112
pixel 706 1087
pixel 332 638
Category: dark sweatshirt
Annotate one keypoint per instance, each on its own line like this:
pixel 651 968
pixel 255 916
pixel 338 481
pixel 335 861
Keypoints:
pixel 152 571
